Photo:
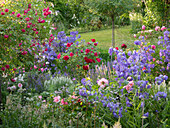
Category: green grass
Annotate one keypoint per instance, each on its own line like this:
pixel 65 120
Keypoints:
pixel 104 37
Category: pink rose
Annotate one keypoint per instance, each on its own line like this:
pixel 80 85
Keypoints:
pixel 6 10
pixel 56 99
pixel 18 15
pixel 19 85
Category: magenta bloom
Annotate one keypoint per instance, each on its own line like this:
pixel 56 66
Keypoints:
pixel 6 10
pixel 19 85
pixel 18 15
pixel 23 30
pixel 7 66
pixel 153 47
pixel 6 36
pixel 36 32
pixel 13 13
pixel 2 13
pixel 3 68
pixel 163 28
pixel 58 56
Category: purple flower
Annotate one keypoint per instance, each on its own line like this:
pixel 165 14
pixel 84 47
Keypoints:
pixel 146 114
pixel 137 42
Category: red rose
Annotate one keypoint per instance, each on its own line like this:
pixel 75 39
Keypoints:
pixel 3 68
pixel 7 66
pixel 68 44
pixel 98 59
pixel 95 54
pixel 66 58
pixel 117 48
pixel 123 46
pixel 95 44
pixel 85 67
pixel 46 49
pixel 93 61
pixel 87 50
pixel 71 54
pixel 93 40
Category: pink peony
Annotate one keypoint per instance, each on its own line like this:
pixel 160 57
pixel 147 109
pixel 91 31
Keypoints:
pixel 56 99
pixel 143 27
pixel 153 47
pixel 36 32
pixel 103 82
pixel 19 85
pixel 27 19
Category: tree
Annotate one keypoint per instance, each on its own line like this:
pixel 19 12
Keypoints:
pixel 110 8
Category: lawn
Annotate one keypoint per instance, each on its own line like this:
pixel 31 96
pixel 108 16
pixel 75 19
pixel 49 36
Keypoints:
pixel 104 37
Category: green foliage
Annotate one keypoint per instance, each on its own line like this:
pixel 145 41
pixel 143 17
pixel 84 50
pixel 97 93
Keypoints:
pixel 55 83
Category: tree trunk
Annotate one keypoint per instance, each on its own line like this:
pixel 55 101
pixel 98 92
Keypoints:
pixel 113 34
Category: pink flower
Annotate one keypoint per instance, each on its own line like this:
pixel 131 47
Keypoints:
pixel 19 85
pixel 74 97
pixel 98 59
pixel 13 13
pixel 6 10
pixel 57 99
pixel 35 66
pixel 44 101
pixel 34 29
pixel 81 51
pixel 28 26
pixel 157 28
pixel 23 30
pixel 2 13
pixel 58 56
pixel 143 27
pixel 103 82
pixel 154 59
pixel 153 47
pixel 36 32
pixel 163 28
pixel 27 19
pixel 71 54
pixel 42 21
pixel 25 11
pixel 20 44
pixel 134 35
pixel 40 97
pixel 131 83
pixel 64 103
pixel 42 69
pixel 95 54
pixel 18 15
pixel 6 36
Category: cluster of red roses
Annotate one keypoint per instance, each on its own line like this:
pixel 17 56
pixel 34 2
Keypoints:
pixel 86 59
